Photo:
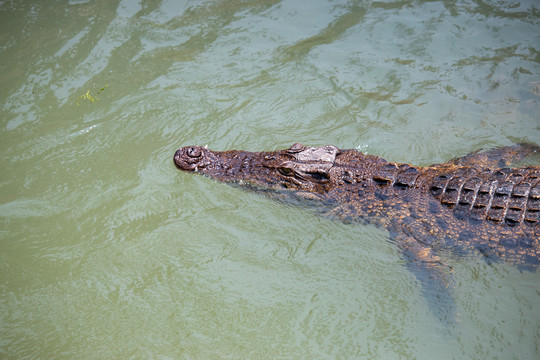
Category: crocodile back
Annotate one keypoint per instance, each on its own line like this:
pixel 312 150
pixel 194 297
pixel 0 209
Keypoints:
pixel 509 197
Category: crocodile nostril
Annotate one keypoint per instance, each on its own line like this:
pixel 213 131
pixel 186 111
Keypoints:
pixel 193 152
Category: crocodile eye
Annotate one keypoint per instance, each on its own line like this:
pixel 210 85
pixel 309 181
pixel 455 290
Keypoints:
pixel 285 171
pixel 193 152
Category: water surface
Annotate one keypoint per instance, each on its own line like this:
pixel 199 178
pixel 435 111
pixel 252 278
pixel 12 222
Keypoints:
pixel 108 251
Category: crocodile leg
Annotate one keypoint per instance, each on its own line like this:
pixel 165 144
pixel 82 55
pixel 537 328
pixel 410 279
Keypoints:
pixel 501 157
pixel 426 258
pixel 434 275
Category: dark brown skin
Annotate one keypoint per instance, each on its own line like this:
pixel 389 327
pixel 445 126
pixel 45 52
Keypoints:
pixel 470 203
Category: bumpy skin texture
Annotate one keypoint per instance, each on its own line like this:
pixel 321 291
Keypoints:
pixel 470 203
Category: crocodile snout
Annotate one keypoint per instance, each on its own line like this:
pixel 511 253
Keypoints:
pixel 189 158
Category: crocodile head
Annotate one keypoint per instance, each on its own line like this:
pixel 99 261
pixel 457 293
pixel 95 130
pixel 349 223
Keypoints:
pixel 298 168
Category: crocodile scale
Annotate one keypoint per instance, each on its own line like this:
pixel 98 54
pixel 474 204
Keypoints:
pixel 507 195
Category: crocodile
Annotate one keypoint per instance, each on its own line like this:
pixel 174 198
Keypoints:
pixel 472 203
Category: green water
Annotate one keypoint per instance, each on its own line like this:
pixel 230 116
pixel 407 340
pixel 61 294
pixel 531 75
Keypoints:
pixel 108 252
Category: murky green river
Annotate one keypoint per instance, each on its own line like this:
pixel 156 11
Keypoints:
pixel 107 251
